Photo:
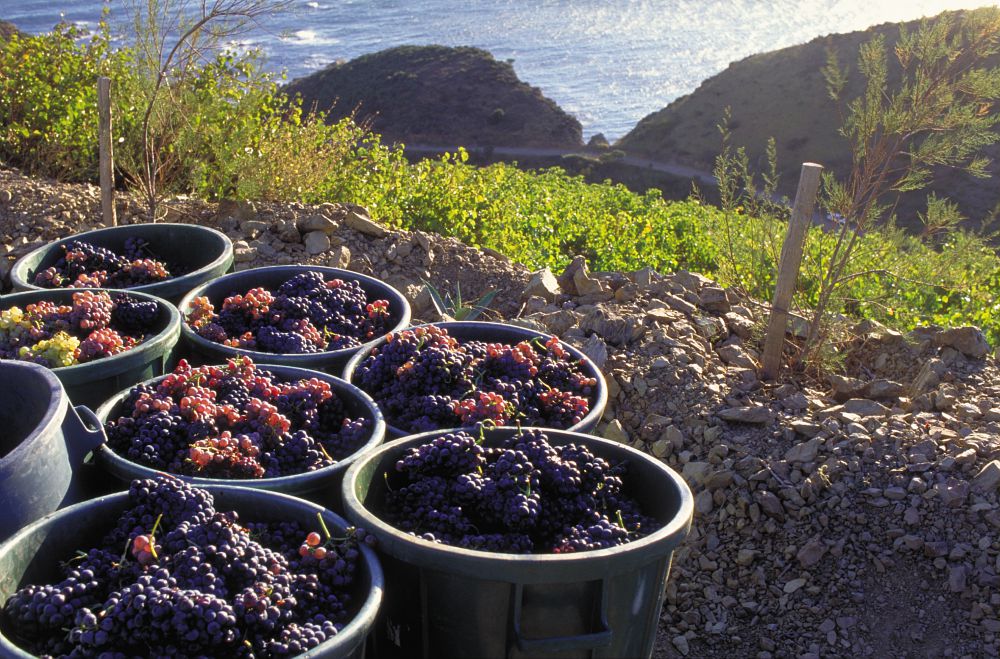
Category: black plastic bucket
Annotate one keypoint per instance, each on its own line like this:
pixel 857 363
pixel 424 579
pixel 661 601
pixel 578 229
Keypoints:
pixel 500 333
pixel 93 382
pixel 444 601
pixel 42 446
pixel 32 555
pixel 200 252
pixel 271 277
pixel 322 486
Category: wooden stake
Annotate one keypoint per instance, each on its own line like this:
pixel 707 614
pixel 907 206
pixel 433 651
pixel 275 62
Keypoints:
pixel 788 268
pixel 107 162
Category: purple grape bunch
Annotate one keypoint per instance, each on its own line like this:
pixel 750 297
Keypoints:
pixel 192 581
pixel 235 421
pixel 83 265
pixel 523 495
pixel 424 379
pixel 306 314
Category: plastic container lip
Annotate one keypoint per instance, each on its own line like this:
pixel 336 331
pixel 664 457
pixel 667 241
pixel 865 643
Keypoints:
pixel 51 421
pixel 517 334
pixel 218 241
pixel 121 362
pixel 290 359
pixel 546 567
pixel 353 629
pixel 121 464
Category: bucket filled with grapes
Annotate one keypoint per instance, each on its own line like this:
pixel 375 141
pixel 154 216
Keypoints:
pixel 166 260
pixel 170 570
pixel 96 341
pixel 276 428
pixel 564 538
pixel 452 374
pixel 306 316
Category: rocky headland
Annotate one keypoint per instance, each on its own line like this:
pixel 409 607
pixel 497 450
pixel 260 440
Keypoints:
pixel 439 95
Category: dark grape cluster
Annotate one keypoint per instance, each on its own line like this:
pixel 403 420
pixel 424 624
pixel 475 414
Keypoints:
pixel 523 495
pixel 177 578
pixel 235 421
pixel 424 379
pixel 83 265
pixel 92 327
pixel 305 314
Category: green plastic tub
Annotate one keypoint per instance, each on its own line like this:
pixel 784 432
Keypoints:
pixel 322 486
pixel 444 601
pixel 271 277
pixel 42 446
pixel 465 330
pixel 201 253
pixel 32 555
pixel 92 383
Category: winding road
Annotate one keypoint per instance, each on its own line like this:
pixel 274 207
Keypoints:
pixel 673 169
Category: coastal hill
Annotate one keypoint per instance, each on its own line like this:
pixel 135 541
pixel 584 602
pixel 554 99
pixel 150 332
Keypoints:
pixel 440 95
pixel 782 94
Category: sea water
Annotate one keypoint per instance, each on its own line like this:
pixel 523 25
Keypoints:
pixel 607 62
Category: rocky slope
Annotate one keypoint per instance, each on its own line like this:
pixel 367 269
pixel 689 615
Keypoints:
pixel 855 515
pixel 440 95
pixel 783 94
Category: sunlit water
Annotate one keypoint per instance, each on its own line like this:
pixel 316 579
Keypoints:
pixel 608 62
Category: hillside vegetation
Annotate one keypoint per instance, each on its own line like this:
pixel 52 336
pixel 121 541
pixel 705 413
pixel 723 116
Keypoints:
pixel 232 136
pixel 783 94
pixel 439 95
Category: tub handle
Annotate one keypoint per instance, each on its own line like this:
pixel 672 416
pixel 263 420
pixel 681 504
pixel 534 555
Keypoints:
pixel 89 433
pixel 598 639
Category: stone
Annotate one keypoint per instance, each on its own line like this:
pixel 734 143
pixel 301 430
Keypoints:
pixel 363 224
pixel 681 643
pixel 806 428
pixel 316 222
pixel 793 585
pixel 803 451
pixel 957 578
pixel 543 284
pixel 5 196
pixel 567 278
pixel 928 377
pixel 988 478
pixel 626 293
pixel 586 285
pixel 811 553
pixel 253 228
pixel 615 432
pixel 795 402
pixel 243 252
pixel 316 242
pixel 679 304
pixel 736 355
pixel 614 329
pixel 288 233
pixel 340 257
pixel 595 348
pixel 770 504
pixel 703 502
pixel 865 407
pixel 845 388
pixel 695 472
pixel 746 556
pixel 968 340
pixel 953 492
pixel 714 299
pixel 692 281
pixel 741 326
pixel 746 414
pixel 643 277
pixel 882 389
pixel 661 448
pixel 241 210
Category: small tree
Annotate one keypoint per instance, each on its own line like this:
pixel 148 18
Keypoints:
pixel 940 114
pixel 172 39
